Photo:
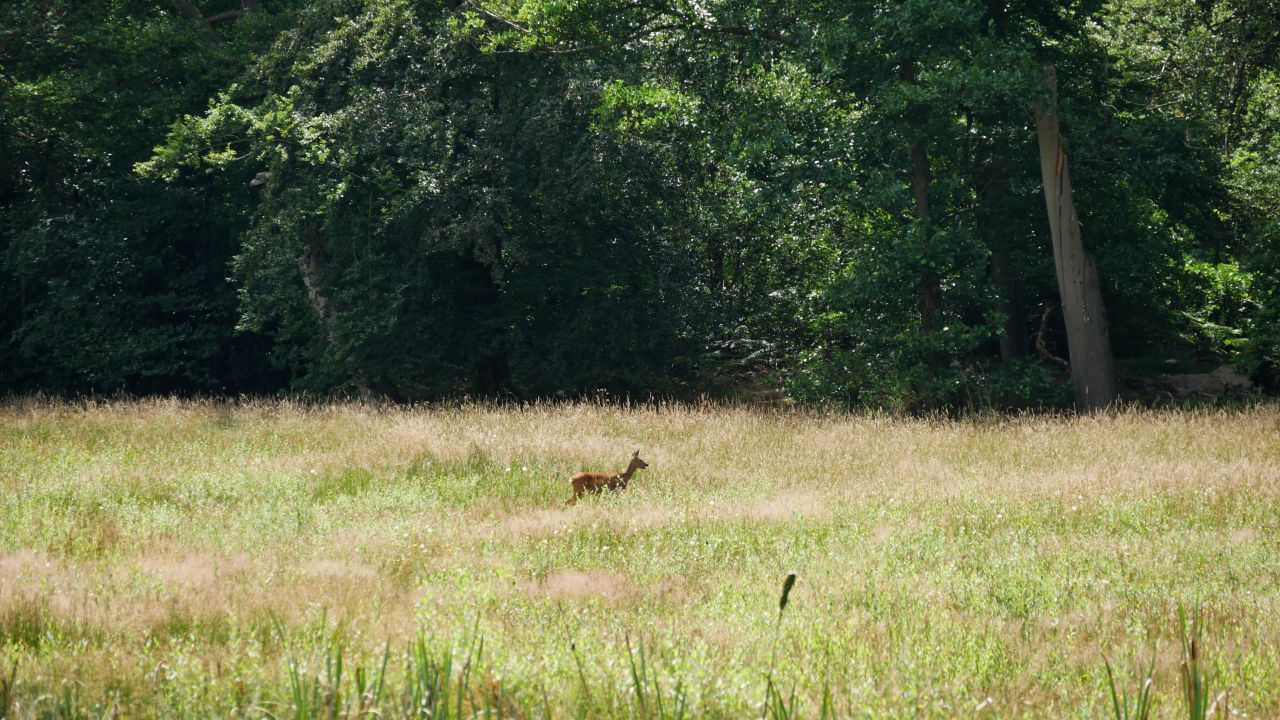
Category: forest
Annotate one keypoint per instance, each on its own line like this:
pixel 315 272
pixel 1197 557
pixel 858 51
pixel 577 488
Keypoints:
pixel 910 205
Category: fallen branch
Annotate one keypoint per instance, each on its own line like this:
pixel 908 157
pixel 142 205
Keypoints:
pixel 1041 349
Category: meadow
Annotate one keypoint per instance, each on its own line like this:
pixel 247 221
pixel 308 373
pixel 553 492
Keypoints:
pixel 170 558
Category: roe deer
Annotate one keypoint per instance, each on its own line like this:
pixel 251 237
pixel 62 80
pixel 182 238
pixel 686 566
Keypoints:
pixel 586 482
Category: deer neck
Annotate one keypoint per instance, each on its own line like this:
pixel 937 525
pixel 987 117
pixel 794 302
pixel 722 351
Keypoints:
pixel 626 474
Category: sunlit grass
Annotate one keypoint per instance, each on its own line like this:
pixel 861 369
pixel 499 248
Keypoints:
pixel 186 559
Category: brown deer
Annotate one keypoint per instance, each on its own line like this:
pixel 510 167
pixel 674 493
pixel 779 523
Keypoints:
pixel 586 482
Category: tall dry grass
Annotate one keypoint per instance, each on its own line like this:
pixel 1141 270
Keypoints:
pixel 192 558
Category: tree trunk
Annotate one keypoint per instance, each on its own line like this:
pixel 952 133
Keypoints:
pixel 928 289
pixel 1013 336
pixel 992 225
pixel 312 264
pixel 1092 366
pixel 190 12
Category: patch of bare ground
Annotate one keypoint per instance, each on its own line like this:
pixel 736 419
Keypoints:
pixel 554 521
pixel 882 534
pixel 338 571
pixel 536 523
pixel 580 584
pixel 195 590
pixel 23 566
pixel 1244 536
pixel 196 570
pixel 789 505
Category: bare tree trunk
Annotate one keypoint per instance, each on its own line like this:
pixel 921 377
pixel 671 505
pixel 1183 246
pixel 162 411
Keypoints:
pixel 1092 366
pixel 190 12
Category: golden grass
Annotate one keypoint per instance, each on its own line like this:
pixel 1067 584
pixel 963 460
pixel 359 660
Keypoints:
pixel 943 564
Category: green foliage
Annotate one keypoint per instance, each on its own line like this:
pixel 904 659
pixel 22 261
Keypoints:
pixel 108 283
pixel 470 232
pixel 914 379
pixel 554 197
pixel 1121 708
pixel 1221 319
pixel 646 107
pixel 1181 115
pixel 1254 185
pixel 1200 704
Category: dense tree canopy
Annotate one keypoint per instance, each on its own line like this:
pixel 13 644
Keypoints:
pixel 416 199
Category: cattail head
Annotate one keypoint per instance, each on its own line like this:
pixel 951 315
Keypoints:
pixel 787 584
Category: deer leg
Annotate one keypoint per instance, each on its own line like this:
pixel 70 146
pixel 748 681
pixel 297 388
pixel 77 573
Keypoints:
pixel 578 490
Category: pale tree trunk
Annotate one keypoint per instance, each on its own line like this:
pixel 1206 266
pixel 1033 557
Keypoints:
pixel 312 266
pixel 1092 366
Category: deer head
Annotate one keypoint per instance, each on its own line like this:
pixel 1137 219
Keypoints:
pixel 636 462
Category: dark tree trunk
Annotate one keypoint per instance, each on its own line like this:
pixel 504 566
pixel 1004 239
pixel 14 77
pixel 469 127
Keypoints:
pixel 928 288
pixel 312 264
pixel 1014 342
pixel 1092 365
pixel 206 23
pixel 190 12
pixel 992 228
pixel 1013 336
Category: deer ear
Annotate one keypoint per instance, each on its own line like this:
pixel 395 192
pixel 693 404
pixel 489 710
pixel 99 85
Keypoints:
pixel 635 454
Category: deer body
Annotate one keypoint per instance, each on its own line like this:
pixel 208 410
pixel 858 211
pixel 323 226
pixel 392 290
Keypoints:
pixel 587 482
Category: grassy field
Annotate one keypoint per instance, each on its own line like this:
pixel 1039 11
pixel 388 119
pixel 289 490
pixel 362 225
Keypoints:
pixel 169 559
